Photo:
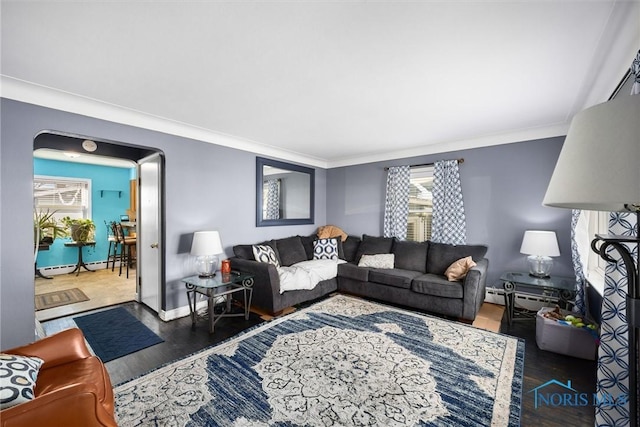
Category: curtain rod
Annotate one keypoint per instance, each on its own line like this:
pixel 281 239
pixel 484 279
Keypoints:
pixel 623 81
pixel 461 160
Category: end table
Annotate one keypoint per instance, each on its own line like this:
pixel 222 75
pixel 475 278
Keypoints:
pixel 562 288
pixel 215 287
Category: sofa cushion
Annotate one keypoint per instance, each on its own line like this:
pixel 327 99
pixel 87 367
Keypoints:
pixel 244 252
pixel 396 277
pixel 377 261
pixel 438 286
pixel 350 248
pixel 266 254
pixel 307 243
pixel 458 270
pixel 291 250
pixel 18 376
pixel 410 255
pixel 325 248
pixel 442 255
pixel 371 245
pixel 352 271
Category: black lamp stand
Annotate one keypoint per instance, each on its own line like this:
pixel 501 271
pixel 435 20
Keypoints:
pixel 633 304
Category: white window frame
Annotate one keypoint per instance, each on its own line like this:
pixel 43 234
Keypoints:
pixel 83 210
pixel 596 266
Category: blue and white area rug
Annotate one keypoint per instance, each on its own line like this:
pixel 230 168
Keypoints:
pixel 341 362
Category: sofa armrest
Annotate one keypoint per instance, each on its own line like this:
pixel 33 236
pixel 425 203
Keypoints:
pixel 63 347
pixel 73 405
pixel 474 289
pixel 266 281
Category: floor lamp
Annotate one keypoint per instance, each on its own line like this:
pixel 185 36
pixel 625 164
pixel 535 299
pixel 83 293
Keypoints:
pixel 598 169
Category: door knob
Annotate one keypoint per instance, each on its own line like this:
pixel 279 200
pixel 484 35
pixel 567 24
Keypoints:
pixel 154 245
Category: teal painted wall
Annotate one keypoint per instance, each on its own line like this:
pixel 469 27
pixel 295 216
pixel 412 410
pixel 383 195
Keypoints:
pixel 107 206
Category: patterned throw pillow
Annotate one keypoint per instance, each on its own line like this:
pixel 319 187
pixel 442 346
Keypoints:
pixel 325 249
pixel 377 261
pixel 265 253
pixel 17 378
pixel 459 269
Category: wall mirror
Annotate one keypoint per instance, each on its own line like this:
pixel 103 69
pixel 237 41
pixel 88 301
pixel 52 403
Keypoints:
pixel 284 193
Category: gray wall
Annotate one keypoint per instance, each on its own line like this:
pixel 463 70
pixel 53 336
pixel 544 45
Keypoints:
pixel 503 187
pixel 207 186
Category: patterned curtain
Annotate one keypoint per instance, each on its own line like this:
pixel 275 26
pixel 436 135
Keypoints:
pixel 579 306
pixel 396 204
pixel 613 354
pixel 273 199
pixel 448 224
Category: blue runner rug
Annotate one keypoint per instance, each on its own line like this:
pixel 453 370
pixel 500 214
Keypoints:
pixel 341 362
pixel 115 333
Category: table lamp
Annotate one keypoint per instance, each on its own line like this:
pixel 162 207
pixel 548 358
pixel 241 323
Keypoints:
pixel 598 169
pixel 540 246
pixel 206 246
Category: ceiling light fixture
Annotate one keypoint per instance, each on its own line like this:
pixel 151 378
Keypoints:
pixel 89 145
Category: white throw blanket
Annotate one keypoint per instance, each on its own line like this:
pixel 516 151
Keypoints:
pixel 307 274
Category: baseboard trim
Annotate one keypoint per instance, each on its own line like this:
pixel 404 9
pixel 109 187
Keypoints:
pixel 177 313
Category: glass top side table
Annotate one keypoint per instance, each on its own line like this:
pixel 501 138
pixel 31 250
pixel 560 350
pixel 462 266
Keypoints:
pixel 562 288
pixel 215 287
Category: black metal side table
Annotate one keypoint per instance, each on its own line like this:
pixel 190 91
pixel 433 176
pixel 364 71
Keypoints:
pixel 215 287
pixel 562 288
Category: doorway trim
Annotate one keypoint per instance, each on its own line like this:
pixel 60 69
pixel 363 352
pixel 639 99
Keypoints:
pixel 67 141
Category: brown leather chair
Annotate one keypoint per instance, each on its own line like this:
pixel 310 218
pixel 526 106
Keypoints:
pixel 73 387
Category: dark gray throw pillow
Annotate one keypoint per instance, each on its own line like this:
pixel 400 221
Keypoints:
pixel 349 248
pixel 291 250
pixel 307 243
pixel 410 255
pixel 442 255
pixel 372 245
pixel 244 252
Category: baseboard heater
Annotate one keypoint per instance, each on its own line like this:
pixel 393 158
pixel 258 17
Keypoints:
pixel 66 269
pixel 532 302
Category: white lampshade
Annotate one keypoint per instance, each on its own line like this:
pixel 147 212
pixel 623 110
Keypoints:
pixel 540 246
pixel 598 165
pixel 206 245
pixel 543 243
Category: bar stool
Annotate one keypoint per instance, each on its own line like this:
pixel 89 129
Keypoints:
pixel 125 248
pixel 112 252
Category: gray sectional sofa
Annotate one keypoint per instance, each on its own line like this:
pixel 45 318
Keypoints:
pixel 417 279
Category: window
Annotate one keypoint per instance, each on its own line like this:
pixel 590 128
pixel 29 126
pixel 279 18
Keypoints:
pixel 598 223
pixel 420 204
pixel 66 196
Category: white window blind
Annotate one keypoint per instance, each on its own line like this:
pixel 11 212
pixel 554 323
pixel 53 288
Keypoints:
pixel 66 196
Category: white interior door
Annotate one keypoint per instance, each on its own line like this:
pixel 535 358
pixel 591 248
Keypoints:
pixel 149 247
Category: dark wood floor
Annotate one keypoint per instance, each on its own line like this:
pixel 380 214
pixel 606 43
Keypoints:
pixel 540 366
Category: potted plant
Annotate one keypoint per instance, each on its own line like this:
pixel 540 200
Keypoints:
pixel 46 228
pixel 80 229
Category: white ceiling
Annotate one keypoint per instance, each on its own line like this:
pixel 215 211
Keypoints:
pixel 326 83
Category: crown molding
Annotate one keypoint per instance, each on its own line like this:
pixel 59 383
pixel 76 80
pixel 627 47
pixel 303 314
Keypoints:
pixel 466 144
pixel 23 91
